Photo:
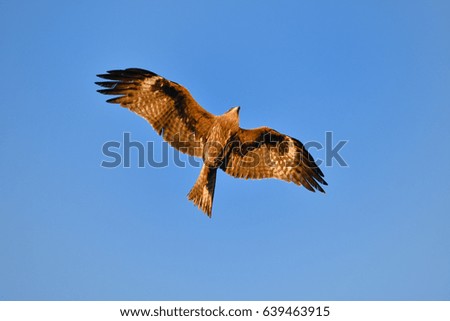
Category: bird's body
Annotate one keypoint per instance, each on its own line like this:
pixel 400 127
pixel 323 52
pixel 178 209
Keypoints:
pixel 223 128
pixel 218 140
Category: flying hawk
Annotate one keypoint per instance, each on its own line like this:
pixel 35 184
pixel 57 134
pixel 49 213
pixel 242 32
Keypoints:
pixel 243 153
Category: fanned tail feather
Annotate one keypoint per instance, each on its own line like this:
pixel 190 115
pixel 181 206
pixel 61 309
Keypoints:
pixel 202 193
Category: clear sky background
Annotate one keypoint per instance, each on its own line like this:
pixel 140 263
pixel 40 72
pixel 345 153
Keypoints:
pixel 375 73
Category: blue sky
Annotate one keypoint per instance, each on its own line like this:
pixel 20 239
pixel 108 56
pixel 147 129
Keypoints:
pixel 375 73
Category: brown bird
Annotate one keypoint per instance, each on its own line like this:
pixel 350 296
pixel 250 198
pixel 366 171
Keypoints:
pixel 243 153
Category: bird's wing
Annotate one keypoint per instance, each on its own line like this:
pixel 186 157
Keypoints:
pixel 166 105
pixel 265 153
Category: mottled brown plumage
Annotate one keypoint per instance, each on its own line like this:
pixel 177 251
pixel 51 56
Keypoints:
pixel 218 140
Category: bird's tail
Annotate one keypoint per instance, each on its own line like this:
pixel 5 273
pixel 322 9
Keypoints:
pixel 202 193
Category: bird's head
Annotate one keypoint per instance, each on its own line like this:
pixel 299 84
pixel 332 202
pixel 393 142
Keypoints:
pixel 233 115
pixel 234 110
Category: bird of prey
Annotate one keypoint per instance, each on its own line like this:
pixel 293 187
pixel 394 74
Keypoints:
pixel 243 153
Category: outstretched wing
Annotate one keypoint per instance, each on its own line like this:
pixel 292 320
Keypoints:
pixel 166 105
pixel 265 153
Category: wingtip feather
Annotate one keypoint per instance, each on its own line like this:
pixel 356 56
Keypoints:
pixel 115 100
